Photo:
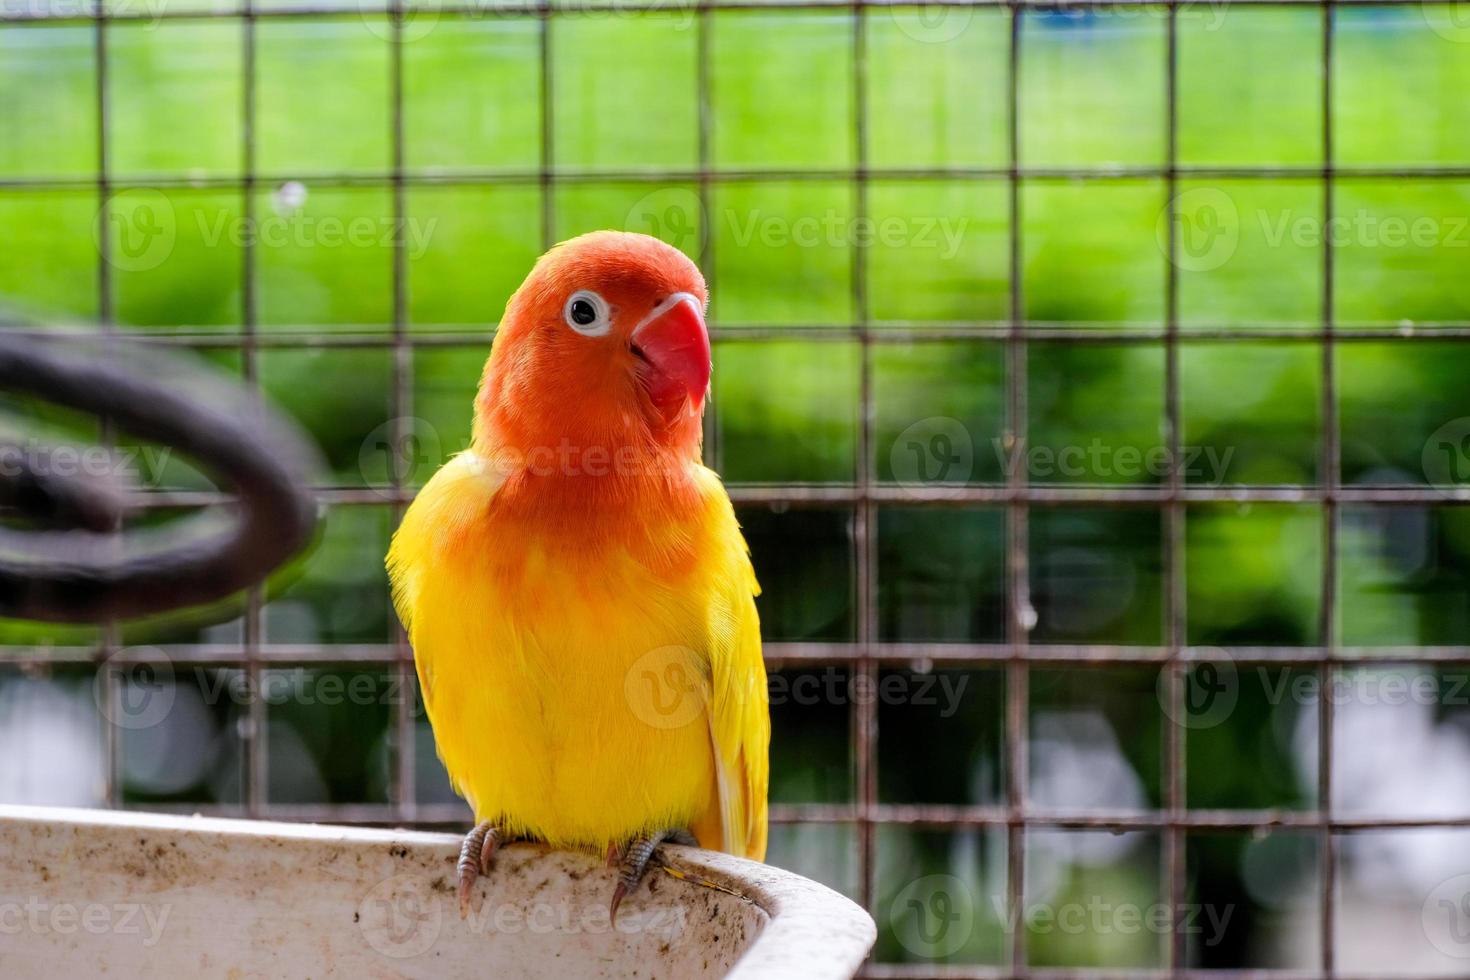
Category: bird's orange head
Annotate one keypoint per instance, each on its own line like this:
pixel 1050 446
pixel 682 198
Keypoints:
pixel 603 347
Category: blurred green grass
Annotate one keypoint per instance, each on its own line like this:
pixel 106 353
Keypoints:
pixel 1089 96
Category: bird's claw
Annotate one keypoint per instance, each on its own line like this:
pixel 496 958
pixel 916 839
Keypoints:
pixel 636 858
pixel 475 856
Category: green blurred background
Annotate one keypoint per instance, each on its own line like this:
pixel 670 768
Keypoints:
pixel 784 244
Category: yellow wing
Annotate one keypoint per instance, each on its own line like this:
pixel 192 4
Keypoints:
pixel 739 713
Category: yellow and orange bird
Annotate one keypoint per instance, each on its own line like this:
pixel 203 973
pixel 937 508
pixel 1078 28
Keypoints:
pixel 576 589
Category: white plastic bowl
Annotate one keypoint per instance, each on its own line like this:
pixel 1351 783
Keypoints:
pixel 123 894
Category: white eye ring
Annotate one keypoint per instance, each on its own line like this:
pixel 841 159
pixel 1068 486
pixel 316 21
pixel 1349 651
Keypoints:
pixel 594 328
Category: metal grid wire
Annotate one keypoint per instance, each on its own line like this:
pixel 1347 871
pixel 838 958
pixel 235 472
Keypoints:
pixel 867 654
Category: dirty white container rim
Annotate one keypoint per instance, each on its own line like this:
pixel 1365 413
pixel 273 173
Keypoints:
pixel 147 895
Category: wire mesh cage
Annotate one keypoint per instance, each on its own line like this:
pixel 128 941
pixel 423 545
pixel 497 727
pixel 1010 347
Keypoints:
pixel 988 454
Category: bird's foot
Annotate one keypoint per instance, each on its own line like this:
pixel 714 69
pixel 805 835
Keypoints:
pixel 475 856
pixel 636 858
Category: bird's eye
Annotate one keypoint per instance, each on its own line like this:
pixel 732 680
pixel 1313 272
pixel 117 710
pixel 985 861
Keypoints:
pixel 587 313
pixel 583 312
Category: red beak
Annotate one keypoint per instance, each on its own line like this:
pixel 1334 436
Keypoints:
pixel 673 345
